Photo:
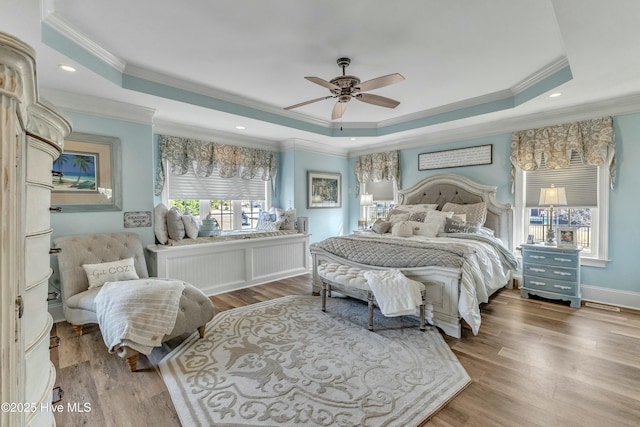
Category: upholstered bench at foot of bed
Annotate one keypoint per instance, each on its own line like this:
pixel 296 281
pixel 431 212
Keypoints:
pixel 351 282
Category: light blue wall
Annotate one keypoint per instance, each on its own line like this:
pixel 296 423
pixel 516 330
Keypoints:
pixel 137 179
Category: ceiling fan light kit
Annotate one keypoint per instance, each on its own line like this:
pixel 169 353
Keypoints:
pixel 345 87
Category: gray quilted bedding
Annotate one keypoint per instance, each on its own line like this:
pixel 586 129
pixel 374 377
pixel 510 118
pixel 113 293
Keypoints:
pixel 393 253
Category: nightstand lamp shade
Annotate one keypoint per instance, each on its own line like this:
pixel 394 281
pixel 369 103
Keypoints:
pixel 551 196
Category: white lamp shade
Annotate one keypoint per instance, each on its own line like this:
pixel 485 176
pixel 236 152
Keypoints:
pixel 553 196
pixel 366 199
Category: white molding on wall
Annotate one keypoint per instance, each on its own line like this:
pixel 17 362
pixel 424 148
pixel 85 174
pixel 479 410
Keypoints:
pixel 99 107
pixel 614 297
pixel 301 144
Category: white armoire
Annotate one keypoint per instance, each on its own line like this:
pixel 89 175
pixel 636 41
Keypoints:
pixel 32 136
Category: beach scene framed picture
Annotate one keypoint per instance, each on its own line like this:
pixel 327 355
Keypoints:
pixel 87 176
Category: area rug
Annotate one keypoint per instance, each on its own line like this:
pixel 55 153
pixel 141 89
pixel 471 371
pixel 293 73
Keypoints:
pixel 286 363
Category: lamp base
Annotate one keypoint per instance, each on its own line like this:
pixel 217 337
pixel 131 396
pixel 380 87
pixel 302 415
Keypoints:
pixel 551 237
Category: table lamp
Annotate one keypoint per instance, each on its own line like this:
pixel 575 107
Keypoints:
pixel 549 197
pixel 366 200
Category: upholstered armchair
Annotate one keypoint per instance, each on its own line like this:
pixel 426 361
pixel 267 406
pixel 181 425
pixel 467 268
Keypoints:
pixel 78 301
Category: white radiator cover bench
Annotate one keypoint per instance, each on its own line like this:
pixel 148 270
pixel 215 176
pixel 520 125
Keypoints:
pixel 352 282
pixel 226 266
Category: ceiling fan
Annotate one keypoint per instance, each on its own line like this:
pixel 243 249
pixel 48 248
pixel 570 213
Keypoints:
pixel 345 87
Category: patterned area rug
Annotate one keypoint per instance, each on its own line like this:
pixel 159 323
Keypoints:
pixel 285 362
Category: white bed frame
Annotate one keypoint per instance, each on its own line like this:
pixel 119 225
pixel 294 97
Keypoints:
pixel 442 283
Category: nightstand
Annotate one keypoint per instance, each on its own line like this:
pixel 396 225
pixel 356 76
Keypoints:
pixel 551 272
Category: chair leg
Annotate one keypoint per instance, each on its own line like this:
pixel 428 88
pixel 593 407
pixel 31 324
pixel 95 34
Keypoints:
pixel 77 329
pixel 133 361
pixel 201 330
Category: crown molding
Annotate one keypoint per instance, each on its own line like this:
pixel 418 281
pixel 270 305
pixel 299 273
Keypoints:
pixel 163 127
pixel 57 23
pixel 315 147
pixel 540 75
pixel 100 107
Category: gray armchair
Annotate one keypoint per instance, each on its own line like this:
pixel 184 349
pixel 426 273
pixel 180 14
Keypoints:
pixel 196 309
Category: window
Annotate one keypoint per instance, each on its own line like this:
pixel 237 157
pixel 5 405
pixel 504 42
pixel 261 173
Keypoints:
pixel 234 202
pixel 384 196
pixel 587 192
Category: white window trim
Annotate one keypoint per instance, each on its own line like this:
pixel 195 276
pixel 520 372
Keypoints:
pixel 600 216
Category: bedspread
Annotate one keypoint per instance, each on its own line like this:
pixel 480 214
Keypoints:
pixel 485 265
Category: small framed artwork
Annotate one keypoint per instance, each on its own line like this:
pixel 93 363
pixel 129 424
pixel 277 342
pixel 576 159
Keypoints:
pixel 87 176
pixel 324 190
pixel 567 237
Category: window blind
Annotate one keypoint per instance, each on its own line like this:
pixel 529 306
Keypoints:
pixel 189 186
pixel 580 182
pixel 382 190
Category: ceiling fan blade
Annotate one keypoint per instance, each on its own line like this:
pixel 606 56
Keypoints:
pixel 307 102
pixel 338 110
pixel 324 83
pixel 378 100
pixel 379 82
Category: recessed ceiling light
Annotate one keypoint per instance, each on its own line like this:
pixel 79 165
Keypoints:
pixel 240 127
pixel 555 95
pixel 354 139
pixel 68 68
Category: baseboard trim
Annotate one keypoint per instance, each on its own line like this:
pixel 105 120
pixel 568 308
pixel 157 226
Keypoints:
pixel 55 310
pixel 615 297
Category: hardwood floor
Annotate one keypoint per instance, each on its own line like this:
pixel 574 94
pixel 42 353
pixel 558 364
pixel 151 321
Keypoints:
pixel 533 363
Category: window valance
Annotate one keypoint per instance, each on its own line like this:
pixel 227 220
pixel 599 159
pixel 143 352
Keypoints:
pixel 204 157
pixel 377 167
pixel 592 140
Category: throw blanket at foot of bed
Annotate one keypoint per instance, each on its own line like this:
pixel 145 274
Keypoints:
pixel 137 313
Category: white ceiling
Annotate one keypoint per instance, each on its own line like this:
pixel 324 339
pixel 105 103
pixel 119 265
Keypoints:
pixel 243 61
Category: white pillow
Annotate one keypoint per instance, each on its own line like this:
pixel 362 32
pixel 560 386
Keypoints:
pixel 398 217
pixel 402 229
pixel 428 229
pixel 175 226
pixel 191 227
pixel 99 274
pixel 438 218
pixel 160 223
pixel 288 220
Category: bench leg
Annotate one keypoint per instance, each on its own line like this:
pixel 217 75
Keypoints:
pixel 423 309
pixel 324 296
pixel 370 299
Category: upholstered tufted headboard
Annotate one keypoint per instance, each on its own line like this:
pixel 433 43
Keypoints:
pixel 443 188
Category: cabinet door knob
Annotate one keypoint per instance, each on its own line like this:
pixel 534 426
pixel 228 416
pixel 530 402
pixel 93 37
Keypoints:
pixel 55 209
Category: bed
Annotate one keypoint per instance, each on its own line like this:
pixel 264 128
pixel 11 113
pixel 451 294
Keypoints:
pixel 460 269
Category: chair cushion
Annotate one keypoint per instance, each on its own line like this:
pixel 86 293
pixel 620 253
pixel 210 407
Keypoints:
pixel 344 275
pixel 84 300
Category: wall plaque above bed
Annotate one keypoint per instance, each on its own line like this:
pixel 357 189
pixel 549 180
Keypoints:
pixel 480 155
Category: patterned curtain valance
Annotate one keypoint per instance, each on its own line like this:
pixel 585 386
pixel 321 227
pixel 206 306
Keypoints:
pixel 204 156
pixel 592 140
pixel 377 167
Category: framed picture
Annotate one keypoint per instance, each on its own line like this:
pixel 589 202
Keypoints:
pixel 87 175
pixel 567 237
pixel 325 190
pixel 480 155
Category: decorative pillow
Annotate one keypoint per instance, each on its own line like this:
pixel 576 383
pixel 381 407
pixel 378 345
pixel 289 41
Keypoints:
pixel 476 212
pixel 288 220
pixel 268 225
pixel 453 226
pixel 278 211
pixel 191 227
pixel 396 218
pixel 437 218
pixel 99 274
pixel 417 216
pixel 160 223
pixel 267 221
pixel 175 226
pixel 381 226
pixel 402 229
pixel 428 229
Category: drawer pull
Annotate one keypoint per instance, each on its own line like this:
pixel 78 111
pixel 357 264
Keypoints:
pixel 538 257
pixel 537 270
pixel 538 283
pixel 562 287
pixel 562 273
pixel 54 251
pixel 52 296
pixel 563 259
pixel 56 209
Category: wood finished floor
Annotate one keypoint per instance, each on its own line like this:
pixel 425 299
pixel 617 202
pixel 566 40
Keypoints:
pixel 534 363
